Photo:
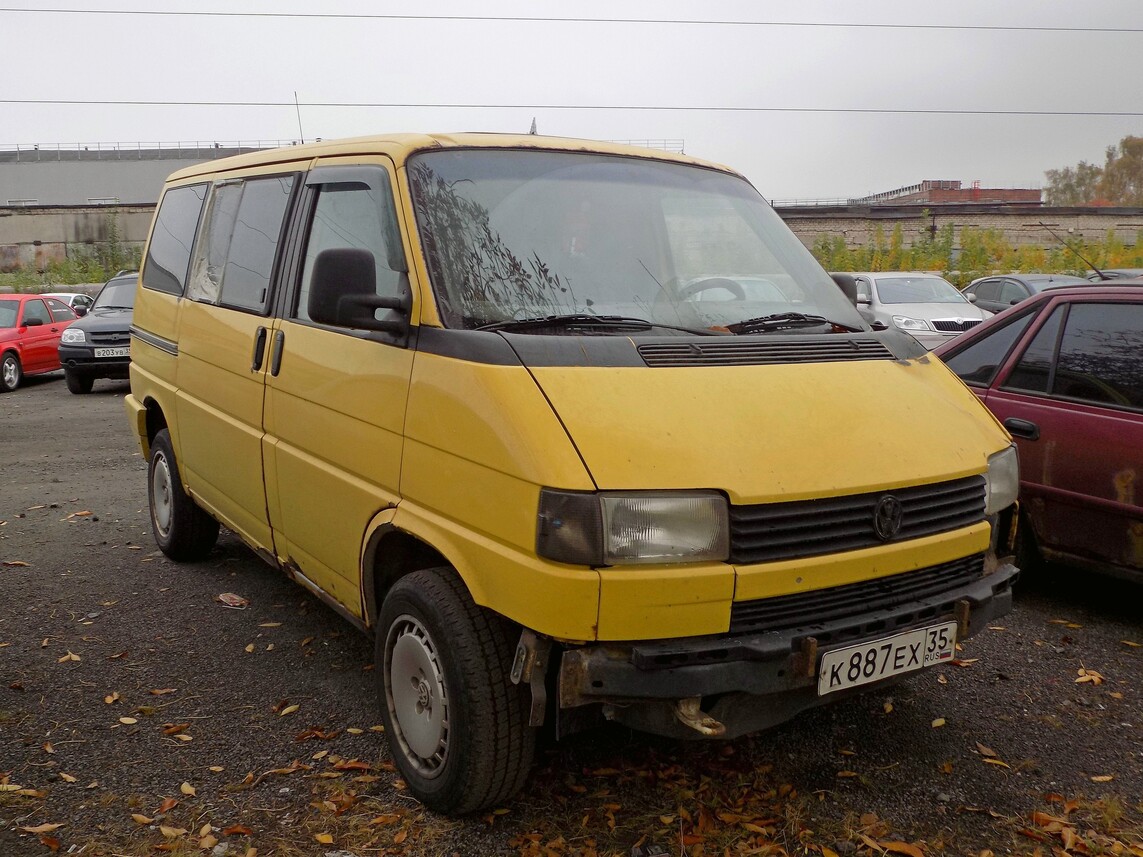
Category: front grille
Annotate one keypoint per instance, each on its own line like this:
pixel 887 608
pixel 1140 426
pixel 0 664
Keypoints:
pixel 773 531
pixel 111 337
pixel 822 606
pixel 952 325
pixel 755 352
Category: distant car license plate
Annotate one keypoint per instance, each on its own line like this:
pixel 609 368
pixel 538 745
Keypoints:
pixel 113 352
pixel 890 656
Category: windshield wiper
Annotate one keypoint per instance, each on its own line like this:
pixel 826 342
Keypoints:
pixel 785 321
pixel 616 323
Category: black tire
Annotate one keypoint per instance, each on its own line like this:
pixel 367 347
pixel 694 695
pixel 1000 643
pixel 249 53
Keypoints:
pixel 183 531
pixel 1028 557
pixel 11 373
pixel 77 383
pixel 459 732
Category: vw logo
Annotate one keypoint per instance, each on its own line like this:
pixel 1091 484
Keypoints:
pixel 887 517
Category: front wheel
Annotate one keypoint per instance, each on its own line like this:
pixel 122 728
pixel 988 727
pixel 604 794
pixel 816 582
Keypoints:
pixel 457 726
pixel 183 531
pixel 77 383
pixel 10 373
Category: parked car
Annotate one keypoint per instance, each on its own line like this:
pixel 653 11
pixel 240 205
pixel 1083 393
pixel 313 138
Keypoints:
pixel 998 293
pixel 1064 373
pixel 99 344
pixel 1105 274
pixel 924 305
pixel 78 301
pixel 30 328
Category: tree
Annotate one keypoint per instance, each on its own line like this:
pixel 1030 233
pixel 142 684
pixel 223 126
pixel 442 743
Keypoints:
pixel 1078 185
pixel 1122 181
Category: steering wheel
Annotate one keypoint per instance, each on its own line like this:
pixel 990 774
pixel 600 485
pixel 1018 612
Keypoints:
pixel 707 283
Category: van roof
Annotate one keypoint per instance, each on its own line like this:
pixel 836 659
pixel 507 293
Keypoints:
pixel 401 146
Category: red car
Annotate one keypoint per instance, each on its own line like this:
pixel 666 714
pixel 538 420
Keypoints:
pixel 1064 372
pixel 30 328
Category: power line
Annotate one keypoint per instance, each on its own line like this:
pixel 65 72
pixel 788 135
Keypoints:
pixel 628 107
pixel 538 19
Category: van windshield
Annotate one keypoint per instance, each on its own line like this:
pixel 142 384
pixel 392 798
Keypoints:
pixel 513 234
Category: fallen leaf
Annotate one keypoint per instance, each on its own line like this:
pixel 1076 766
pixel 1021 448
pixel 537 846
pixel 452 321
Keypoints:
pixel 400 836
pixel 237 830
pixel 16 563
pixel 352 730
pixel 163 692
pixel 208 841
pixel 270 625
pixel 1103 778
pixel 48 748
pixel 218 769
pixel 51 843
pixel 1132 644
pixel 128 721
pixel 229 599
pixel 111 697
pixel 184 737
pixel 205 829
pixel 168 804
pixel 324 838
pixel 986 751
pixel 942 679
pixel 66 777
pixel 307 641
pixel 996 762
pixel 172 832
pixel 141 819
pixel 887 707
pixel 187 789
pixel 175 728
pixel 902 848
pixel 250 647
pixel 938 723
pixel 289 709
pixel 70 656
pixel 42 828
pixel 965 662
pixel 847 773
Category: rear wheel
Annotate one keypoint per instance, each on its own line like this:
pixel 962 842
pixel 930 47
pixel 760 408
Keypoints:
pixel 77 383
pixel 457 726
pixel 1028 557
pixel 10 373
pixel 183 531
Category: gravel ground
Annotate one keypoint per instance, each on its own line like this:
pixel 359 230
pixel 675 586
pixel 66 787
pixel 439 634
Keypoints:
pixel 138 712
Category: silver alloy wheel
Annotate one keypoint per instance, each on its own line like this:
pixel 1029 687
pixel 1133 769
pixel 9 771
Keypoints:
pixel 416 694
pixel 11 374
pixel 161 490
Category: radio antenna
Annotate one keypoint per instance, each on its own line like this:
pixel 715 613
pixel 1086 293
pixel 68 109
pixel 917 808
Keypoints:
pixel 1083 258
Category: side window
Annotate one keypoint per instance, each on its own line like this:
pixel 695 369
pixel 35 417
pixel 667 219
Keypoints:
pixel 353 214
pixel 1012 291
pixel 1101 355
pixel 979 362
pixel 863 289
pixel 172 237
pixel 1033 373
pixel 987 291
pixel 59 310
pixel 36 309
pixel 234 260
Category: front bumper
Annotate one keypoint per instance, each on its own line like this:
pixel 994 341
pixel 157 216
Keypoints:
pixel 82 360
pixel 753 681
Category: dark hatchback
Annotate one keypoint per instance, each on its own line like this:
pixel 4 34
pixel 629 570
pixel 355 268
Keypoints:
pixel 99 344
pixel 998 293
pixel 1064 372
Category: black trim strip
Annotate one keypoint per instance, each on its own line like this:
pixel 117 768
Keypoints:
pixel 159 342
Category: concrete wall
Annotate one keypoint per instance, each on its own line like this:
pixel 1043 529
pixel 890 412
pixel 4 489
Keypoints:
pixel 32 237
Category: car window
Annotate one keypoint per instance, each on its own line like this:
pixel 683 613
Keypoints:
pixel 36 309
pixel 1101 355
pixel 117 294
pixel 59 310
pixel 917 290
pixel 1033 373
pixel 1012 291
pixel 168 254
pixel 234 260
pixel 352 214
pixel 987 291
pixel 8 311
pixel 979 362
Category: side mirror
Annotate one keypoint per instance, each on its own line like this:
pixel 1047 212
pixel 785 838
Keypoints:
pixel 848 286
pixel 80 310
pixel 1013 302
pixel 343 293
pixel 33 322
pixel 971 298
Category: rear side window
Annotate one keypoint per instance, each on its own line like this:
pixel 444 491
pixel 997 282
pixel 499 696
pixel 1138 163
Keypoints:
pixel 234 260
pixel 59 310
pixel 979 362
pixel 1101 355
pixel 1033 374
pixel 168 254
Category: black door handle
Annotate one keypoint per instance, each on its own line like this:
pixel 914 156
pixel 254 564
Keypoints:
pixel 276 353
pixel 259 349
pixel 1022 428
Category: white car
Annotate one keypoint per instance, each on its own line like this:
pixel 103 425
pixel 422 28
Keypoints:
pixel 928 307
pixel 75 300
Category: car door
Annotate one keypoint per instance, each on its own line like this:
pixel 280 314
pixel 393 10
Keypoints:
pixel 1072 397
pixel 335 401
pixel 987 294
pixel 223 333
pixel 1012 292
pixel 41 337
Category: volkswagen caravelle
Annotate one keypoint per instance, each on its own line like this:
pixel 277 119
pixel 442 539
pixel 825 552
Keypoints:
pixel 576 431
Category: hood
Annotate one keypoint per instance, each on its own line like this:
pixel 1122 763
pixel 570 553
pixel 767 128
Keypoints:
pixel 105 321
pixel 778 432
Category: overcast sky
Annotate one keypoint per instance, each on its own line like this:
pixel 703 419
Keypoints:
pixel 790 85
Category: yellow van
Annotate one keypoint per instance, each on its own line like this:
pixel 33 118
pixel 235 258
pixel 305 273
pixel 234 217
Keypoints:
pixel 575 431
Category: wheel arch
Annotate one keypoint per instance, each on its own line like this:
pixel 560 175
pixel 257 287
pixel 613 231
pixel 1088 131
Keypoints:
pixel 390 554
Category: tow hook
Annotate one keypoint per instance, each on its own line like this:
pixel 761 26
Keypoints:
pixel 689 713
pixel 530 665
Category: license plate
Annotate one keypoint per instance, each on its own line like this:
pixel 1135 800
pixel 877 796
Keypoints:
pixel 902 653
pixel 113 352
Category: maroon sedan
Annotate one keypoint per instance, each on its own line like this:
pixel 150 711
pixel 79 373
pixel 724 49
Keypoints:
pixel 30 328
pixel 1064 372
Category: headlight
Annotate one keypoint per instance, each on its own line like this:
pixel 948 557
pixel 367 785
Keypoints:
pixel 71 336
pixel 906 323
pixel 631 527
pixel 1002 482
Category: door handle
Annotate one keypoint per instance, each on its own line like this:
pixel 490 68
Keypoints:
pixel 276 353
pixel 1022 428
pixel 259 349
